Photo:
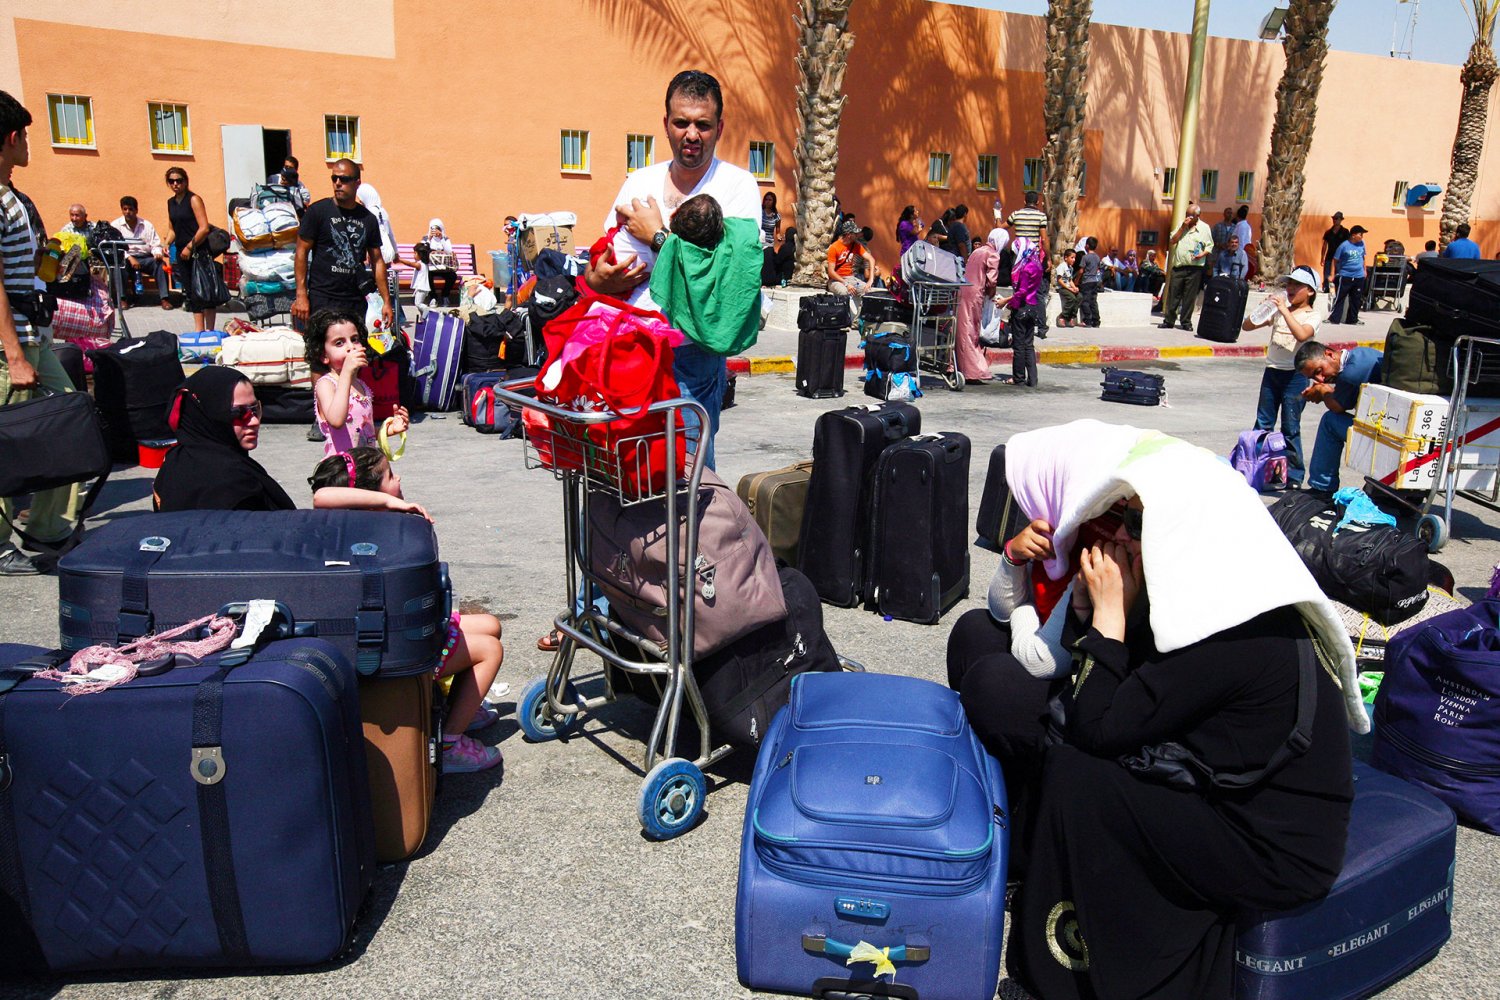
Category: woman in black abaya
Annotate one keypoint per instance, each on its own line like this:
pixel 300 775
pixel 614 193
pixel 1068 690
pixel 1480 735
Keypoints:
pixel 217 419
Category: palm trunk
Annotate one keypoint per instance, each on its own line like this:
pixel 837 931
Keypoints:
pixel 1292 133
pixel 822 57
pixel 1478 77
pixel 1066 74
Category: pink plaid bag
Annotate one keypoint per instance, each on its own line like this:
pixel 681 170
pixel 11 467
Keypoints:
pixel 91 317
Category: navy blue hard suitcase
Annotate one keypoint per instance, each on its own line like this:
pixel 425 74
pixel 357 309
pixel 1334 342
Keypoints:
pixel 1135 388
pixel 875 829
pixel 1389 911
pixel 205 815
pixel 367 581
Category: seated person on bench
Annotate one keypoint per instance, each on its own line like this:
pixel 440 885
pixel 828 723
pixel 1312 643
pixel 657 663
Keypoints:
pixel 1180 634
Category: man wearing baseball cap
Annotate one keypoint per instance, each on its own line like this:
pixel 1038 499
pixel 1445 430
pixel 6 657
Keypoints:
pixel 1349 267
pixel 1332 240
pixel 851 269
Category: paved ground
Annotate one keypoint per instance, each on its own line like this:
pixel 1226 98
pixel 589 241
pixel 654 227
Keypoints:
pixel 537 882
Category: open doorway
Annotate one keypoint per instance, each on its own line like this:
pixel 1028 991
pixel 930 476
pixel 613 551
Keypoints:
pixel 252 153
pixel 277 143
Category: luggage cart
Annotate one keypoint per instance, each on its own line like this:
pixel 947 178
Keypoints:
pixel 1460 456
pixel 1387 284
pixel 934 329
pixel 673 791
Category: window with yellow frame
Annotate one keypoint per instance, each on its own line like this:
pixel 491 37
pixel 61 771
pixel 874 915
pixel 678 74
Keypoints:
pixel 72 120
pixel 341 137
pixel 939 165
pixel 575 151
pixel 169 128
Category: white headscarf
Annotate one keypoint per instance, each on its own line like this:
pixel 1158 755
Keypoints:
pixel 438 242
pixel 999 237
pixel 370 198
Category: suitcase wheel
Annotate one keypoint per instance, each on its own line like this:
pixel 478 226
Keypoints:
pixel 671 798
pixel 1433 530
pixel 537 720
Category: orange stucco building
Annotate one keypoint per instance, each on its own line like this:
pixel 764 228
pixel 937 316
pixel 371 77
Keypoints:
pixel 460 109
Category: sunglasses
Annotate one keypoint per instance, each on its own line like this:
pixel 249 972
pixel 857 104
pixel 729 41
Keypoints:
pixel 243 413
pixel 344 179
pixel 176 180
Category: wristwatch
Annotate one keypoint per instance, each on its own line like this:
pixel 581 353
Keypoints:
pixel 659 240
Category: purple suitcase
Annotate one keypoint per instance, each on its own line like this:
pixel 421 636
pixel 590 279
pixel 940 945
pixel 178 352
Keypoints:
pixel 1389 911
pixel 874 819
pixel 437 352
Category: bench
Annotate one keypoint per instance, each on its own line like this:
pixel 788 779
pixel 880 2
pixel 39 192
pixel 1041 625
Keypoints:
pixel 467 263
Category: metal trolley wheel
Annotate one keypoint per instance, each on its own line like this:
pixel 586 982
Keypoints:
pixel 1433 530
pixel 955 380
pixel 671 799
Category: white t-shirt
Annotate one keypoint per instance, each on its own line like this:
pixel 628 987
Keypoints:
pixel 734 188
pixel 1242 230
pixel 1283 346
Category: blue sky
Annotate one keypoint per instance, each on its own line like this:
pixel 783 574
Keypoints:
pixel 1443 32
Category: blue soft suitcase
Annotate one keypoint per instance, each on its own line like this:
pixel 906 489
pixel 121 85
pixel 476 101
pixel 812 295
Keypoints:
pixel 437 350
pixel 1389 911
pixel 212 814
pixel 876 826
pixel 368 581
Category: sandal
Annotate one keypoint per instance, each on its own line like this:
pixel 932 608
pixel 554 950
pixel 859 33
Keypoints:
pixel 551 642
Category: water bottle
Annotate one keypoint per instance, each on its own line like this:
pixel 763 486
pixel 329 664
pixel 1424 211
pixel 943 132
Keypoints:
pixel 1267 308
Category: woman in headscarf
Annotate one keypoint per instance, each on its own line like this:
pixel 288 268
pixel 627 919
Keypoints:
pixel 1187 645
pixel 436 254
pixel 1026 282
pixel 217 420
pixel 389 251
pixel 982 272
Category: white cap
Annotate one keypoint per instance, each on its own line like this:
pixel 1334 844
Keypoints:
pixel 1304 275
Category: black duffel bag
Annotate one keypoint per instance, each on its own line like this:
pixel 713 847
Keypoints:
pixel 494 341
pixel 52 439
pixel 1377 570
pixel 823 312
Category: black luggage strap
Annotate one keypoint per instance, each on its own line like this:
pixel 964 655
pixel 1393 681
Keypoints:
pixel 208 769
pixel 135 619
pixel 369 620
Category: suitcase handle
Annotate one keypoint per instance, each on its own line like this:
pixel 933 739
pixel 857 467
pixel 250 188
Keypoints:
pixel 283 624
pixel 821 944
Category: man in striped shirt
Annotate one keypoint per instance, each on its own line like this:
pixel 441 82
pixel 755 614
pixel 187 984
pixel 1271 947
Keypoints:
pixel 26 358
pixel 1030 222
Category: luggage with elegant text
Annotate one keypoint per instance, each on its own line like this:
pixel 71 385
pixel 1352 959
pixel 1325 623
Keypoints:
pixel 211 814
pixel 875 846
pixel 367 581
pixel 1223 308
pixel 836 523
pixel 1389 911
pixel 918 566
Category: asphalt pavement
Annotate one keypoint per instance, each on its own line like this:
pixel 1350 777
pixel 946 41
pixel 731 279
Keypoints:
pixel 536 881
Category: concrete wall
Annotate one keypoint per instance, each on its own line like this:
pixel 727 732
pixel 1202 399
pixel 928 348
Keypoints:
pixel 460 114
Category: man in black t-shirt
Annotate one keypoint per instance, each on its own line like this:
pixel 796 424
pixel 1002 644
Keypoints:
pixel 1332 240
pixel 341 236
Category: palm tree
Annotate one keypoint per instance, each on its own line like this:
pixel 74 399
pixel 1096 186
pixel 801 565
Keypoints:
pixel 1306 46
pixel 1066 73
pixel 1477 77
pixel 822 57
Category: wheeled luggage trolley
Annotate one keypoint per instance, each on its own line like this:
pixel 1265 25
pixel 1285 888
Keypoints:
pixel 934 329
pixel 673 791
pixel 1468 451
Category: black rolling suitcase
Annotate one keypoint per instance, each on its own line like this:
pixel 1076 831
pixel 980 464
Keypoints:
pixel 367 581
pixel 134 380
pixel 822 341
pixel 918 566
pixel 836 522
pixel 198 815
pixel 1135 388
pixel 999 518
pixel 1223 308
pixel 820 363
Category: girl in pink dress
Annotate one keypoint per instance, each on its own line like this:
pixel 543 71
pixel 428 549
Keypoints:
pixel 344 404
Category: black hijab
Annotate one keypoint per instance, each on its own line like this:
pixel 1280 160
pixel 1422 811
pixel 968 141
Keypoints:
pixel 208 469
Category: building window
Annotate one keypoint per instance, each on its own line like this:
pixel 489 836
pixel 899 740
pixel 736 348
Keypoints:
pixel 987 173
pixel 640 151
pixel 939 165
pixel 169 128
pixel 72 119
pixel 575 151
pixel 341 137
pixel 1245 190
pixel 1208 186
pixel 1398 198
pixel 1169 182
pixel 1031 175
pixel 763 160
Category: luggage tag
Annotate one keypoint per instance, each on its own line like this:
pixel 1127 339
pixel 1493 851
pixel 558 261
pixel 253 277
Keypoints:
pixel 258 615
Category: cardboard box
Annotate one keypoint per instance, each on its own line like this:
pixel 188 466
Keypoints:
pixel 1395 461
pixel 534 241
pixel 1402 414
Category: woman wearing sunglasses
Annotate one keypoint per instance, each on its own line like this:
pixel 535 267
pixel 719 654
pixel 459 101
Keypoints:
pixel 1159 789
pixel 217 419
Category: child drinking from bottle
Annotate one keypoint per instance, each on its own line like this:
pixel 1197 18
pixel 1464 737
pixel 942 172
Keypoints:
pixel 345 406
